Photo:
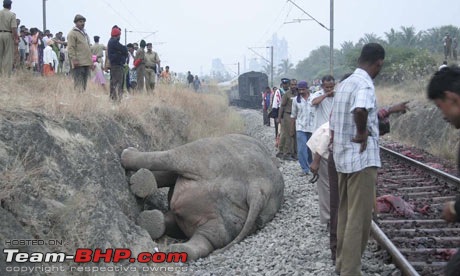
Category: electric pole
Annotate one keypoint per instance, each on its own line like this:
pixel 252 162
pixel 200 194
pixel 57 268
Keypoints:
pixel 44 15
pixel 331 39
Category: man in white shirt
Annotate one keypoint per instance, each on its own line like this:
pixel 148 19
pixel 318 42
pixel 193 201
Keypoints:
pixel 355 135
pixel 322 101
pixel 300 115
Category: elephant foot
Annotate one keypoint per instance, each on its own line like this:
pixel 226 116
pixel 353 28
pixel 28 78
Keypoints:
pixel 143 183
pixel 153 221
pixel 192 254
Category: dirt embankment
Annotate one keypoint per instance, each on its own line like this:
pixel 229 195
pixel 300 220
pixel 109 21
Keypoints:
pixel 424 127
pixel 63 182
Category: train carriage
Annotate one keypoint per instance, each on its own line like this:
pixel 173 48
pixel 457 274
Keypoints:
pixel 247 93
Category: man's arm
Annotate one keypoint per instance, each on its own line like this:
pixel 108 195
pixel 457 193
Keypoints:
pixel 319 99
pixel 450 211
pixel 360 119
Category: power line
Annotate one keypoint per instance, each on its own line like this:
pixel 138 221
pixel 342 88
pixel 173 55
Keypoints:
pixel 115 11
pixel 321 24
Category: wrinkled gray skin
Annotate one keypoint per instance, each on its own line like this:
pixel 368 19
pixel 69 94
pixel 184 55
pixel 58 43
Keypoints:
pixel 223 190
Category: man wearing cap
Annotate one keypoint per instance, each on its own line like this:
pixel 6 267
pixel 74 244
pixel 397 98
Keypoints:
pixel 78 47
pixel 286 145
pixel 8 38
pixel 152 62
pixel 140 69
pixel 98 49
pixel 118 54
pixel 275 103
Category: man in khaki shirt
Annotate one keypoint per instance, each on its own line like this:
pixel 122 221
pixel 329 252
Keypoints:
pixel 151 62
pixel 79 53
pixel 98 49
pixel 8 38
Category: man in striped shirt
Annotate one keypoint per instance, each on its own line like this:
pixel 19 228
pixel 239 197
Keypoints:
pixel 355 136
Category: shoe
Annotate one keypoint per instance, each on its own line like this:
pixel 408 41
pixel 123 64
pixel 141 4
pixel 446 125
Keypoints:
pixel 303 174
pixel 280 155
pixel 288 158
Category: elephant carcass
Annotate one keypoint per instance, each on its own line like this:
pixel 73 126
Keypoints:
pixel 224 189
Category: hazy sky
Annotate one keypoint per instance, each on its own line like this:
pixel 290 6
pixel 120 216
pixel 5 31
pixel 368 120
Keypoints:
pixel 189 34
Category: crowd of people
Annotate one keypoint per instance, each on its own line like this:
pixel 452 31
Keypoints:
pixel 334 135
pixel 132 67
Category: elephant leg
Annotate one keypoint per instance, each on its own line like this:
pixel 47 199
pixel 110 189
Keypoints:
pixel 132 159
pixel 197 247
pixel 172 229
pixel 153 221
pixel 165 178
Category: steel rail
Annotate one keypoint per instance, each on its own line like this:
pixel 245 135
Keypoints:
pixel 398 258
pixel 448 177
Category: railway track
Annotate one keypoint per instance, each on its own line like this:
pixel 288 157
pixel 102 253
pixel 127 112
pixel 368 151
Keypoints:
pixel 419 241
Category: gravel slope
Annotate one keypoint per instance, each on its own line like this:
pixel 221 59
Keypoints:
pixel 294 242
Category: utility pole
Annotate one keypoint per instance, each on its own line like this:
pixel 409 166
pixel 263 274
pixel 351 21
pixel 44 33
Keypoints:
pixel 271 65
pixel 44 15
pixel 331 39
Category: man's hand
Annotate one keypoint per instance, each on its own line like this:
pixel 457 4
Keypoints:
pixel 361 138
pixel 75 62
pixel 448 213
pixel 401 107
pixel 314 166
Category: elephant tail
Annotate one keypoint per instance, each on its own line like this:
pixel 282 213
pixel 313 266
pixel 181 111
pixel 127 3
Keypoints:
pixel 256 205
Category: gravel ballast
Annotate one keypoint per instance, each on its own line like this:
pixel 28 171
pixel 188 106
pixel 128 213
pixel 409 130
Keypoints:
pixel 294 242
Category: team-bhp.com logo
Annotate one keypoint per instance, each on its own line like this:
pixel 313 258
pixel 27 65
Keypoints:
pixel 86 256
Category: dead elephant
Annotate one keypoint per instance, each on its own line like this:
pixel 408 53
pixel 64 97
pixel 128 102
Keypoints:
pixel 222 189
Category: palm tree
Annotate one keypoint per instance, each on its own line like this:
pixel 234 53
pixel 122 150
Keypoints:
pixel 393 37
pixel 368 38
pixel 408 36
pixel 285 67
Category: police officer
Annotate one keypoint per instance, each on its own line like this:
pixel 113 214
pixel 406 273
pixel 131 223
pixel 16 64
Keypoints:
pixel 284 117
pixel 8 38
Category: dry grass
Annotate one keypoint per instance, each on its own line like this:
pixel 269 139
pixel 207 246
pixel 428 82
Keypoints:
pixel 412 91
pixel 207 113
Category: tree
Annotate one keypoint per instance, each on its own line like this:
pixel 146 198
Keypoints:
pixel 368 38
pixel 285 67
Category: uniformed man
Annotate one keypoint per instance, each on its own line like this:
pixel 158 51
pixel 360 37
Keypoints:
pixel 8 38
pixel 152 62
pixel 98 49
pixel 284 117
pixel 79 53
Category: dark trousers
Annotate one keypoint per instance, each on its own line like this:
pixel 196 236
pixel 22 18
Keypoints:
pixel 266 118
pixel 116 82
pixel 80 77
pixel 333 204
pixel 453 266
